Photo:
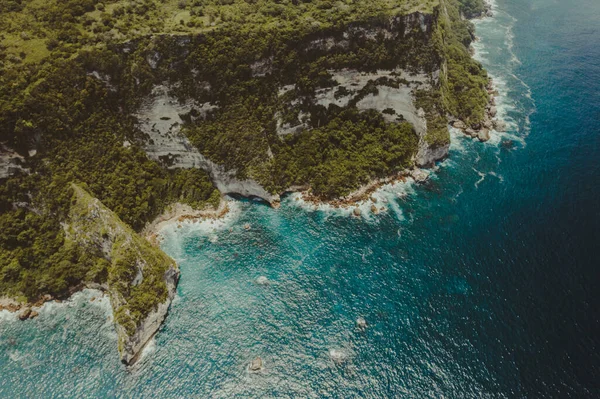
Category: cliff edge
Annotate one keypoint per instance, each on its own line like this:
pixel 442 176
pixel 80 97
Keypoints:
pixel 141 279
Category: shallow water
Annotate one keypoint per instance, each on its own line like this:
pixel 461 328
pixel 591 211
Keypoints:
pixel 481 283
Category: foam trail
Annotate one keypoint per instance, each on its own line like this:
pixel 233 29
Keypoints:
pixel 482 177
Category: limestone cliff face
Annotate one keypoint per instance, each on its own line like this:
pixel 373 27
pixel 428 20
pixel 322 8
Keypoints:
pixel 162 115
pixel 428 154
pixel 142 280
pixel 160 119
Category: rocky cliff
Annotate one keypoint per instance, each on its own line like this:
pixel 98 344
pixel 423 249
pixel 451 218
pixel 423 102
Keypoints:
pixel 184 102
pixel 142 280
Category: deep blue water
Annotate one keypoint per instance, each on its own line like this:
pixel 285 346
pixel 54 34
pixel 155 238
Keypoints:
pixel 483 282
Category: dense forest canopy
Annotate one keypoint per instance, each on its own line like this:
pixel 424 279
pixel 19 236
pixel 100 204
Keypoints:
pixel 74 73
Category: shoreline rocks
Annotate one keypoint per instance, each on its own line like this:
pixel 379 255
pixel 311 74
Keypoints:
pixel 481 131
pixel 29 310
pixel 419 175
pixel 177 213
pixel 24 315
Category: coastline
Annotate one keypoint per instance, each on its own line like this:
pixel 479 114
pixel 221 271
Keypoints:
pixel 30 310
pixel 491 123
pixel 176 212
pixel 179 212
pixel 366 194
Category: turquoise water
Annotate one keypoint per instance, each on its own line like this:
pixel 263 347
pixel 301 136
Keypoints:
pixel 481 283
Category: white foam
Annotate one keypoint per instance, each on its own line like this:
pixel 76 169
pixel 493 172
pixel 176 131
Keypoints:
pixel 505 104
pixel 386 197
pixel 77 299
pixel 5 315
pixel 203 227
pixel 481 177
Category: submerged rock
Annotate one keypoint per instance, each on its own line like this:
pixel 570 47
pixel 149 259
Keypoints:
pixel 361 323
pixel 262 280
pixel 247 226
pixel 256 365
pixel 338 356
pixel 508 144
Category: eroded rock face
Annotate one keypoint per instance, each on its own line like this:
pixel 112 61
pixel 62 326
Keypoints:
pixel 391 92
pixel 397 102
pixel 160 119
pixel 428 155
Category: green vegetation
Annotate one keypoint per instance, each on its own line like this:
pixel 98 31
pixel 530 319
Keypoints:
pixel 73 73
pixel 133 269
pixel 349 151
pixel 472 8
pixel 464 91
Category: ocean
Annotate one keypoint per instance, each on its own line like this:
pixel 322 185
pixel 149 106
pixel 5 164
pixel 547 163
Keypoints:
pixel 483 282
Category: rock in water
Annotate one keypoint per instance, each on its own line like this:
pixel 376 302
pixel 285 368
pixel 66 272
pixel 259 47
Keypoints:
pixel 262 280
pixel 33 314
pixel 338 356
pixel 419 175
pixel 460 125
pixel 374 209
pixel 470 132
pixel 508 144
pixel 256 365
pixel 499 126
pixel 247 226
pixel 25 314
pixel 483 135
pixel 356 212
pixel 361 323
pixel 493 111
